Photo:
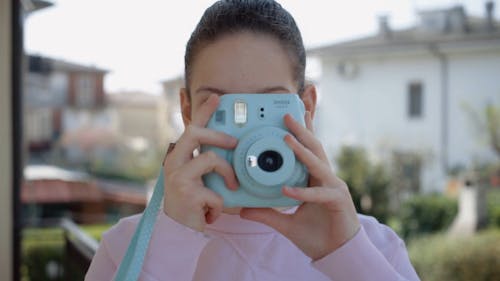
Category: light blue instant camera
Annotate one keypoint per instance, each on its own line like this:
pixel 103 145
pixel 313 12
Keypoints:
pixel 262 161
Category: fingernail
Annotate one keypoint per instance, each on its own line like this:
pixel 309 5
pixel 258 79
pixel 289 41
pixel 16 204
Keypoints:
pixel 288 138
pixel 213 97
pixel 235 186
pixel 233 141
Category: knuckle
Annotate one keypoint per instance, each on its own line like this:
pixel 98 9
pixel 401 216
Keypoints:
pixel 172 175
pixel 317 144
pixel 343 186
pixel 190 131
pixel 219 201
pixel 184 192
pixel 211 156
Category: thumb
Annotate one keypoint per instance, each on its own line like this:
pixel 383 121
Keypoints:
pixel 268 216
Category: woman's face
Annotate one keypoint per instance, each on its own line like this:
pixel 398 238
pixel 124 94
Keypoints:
pixel 243 62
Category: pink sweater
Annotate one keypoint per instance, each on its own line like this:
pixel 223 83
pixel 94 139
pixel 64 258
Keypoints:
pixel 236 249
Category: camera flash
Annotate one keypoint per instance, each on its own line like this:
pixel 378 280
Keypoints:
pixel 240 112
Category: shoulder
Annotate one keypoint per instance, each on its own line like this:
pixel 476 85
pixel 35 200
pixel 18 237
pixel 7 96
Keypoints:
pixel 116 239
pixel 124 225
pixel 382 237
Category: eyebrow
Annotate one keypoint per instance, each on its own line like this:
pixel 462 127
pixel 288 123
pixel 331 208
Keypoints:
pixel 222 92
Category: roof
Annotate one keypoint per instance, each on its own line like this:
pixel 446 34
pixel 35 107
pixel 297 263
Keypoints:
pixel 31 6
pixel 468 30
pixel 70 66
pixel 59 191
pixel 49 184
pixel 46 172
pixel 38 63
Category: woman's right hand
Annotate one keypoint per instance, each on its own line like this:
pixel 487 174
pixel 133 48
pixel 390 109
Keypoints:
pixel 187 200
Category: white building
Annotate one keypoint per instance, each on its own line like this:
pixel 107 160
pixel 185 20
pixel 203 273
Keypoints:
pixel 142 115
pixel 61 98
pixel 411 91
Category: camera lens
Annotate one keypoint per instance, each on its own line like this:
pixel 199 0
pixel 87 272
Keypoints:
pixel 270 161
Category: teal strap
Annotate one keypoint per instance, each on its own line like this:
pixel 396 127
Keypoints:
pixel 131 265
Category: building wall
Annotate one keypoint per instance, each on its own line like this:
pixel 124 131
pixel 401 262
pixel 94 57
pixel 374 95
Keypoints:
pixel 371 109
pixel 474 83
pixel 142 115
pixel 6 222
pixel 75 96
pixel 171 90
pixel 74 119
pixel 166 132
pixel 138 121
pixel 44 96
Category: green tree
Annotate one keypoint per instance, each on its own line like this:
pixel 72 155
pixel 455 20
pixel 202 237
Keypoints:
pixel 486 122
pixel 368 183
pixel 492 117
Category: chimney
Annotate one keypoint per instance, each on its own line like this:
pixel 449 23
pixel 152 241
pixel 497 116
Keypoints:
pixel 490 20
pixel 383 26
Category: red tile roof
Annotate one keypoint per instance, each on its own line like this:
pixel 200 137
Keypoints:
pixel 48 184
pixel 59 191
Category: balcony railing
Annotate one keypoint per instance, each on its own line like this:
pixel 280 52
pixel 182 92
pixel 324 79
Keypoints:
pixel 79 250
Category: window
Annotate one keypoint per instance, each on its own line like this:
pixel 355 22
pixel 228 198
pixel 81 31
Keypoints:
pixel 85 91
pixel 415 100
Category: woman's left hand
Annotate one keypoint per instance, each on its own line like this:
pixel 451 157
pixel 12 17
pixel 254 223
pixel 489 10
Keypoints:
pixel 327 217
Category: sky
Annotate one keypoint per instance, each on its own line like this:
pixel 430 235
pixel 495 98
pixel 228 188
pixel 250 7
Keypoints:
pixel 141 43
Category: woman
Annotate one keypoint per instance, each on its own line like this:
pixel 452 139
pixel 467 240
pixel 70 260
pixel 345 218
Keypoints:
pixel 252 47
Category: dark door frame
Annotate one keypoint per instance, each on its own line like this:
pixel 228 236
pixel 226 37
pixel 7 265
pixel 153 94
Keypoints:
pixel 17 50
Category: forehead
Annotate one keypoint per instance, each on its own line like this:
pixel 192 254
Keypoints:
pixel 242 62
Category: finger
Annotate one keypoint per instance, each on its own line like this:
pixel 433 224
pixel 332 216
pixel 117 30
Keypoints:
pixel 308 120
pixel 209 162
pixel 312 194
pixel 205 111
pixel 280 222
pixel 305 137
pixel 317 167
pixel 193 137
pixel 197 205
pixel 211 204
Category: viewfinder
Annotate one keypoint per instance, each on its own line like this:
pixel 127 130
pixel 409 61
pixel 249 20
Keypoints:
pixel 240 112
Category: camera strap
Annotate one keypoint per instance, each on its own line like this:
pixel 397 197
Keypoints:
pixel 131 264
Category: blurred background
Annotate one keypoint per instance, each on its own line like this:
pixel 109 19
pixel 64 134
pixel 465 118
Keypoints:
pixel 409 111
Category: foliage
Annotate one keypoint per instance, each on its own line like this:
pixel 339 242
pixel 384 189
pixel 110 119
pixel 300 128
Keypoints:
pixel 440 257
pixel 426 214
pixel 492 116
pixel 493 206
pixel 39 248
pixel 38 258
pixel 406 169
pixel 487 123
pixel 368 183
pixel 43 246
pixel 95 230
pixel 122 162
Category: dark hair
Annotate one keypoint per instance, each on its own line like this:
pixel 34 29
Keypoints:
pixel 260 16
